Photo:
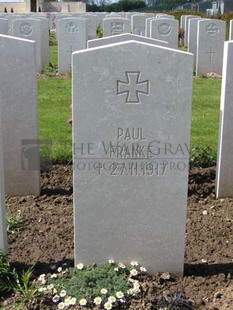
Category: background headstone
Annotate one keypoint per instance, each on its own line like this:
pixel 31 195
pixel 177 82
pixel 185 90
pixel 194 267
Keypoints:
pixel 192 38
pixel 3 26
pixel 131 131
pixel 29 29
pixel 231 30
pixel 138 24
pixel 3 233
pixel 115 26
pixel 166 30
pixel 210 42
pixel 72 36
pixel 44 40
pixel 18 101
pixel 122 38
pixel 224 173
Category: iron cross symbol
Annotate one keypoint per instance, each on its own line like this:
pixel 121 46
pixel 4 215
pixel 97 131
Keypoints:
pixel 133 87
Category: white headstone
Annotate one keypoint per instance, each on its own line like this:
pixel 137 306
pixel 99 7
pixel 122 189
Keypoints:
pixel 231 30
pixel 147 25
pixel 186 29
pixel 44 40
pixel 166 30
pixel 131 137
pixel 224 173
pixel 122 38
pixel 210 42
pixel 72 36
pixel 192 38
pixel 10 19
pixel 91 21
pixel 3 26
pixel 115 26
pixel 3 233
pixel 138 24
pixel 29 29
pixel 18 101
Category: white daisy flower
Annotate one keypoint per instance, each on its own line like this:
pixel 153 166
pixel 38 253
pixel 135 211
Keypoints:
pixel 133 272
pixel 97 300
pixel 107 306
pixel 104 291
pixel 83 302
pixel 119 294
pixel 112 299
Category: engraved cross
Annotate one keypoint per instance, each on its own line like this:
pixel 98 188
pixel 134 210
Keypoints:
pixel 211 52
pixel 70 50
pixel 132 87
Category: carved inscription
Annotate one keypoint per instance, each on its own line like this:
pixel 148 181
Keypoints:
pixel 70 51
pixel 71 28
pixel 133 87
pixel 164 29
pixel 211 54
pixel 212 29
pixel 117 28
pixel 26 29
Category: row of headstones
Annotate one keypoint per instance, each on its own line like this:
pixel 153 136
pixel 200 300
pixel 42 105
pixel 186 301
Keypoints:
pixel 131 136
pixel 205 41
pixel 76 30
pixel 204 37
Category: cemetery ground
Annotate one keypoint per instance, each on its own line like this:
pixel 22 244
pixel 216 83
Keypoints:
pixel 40 228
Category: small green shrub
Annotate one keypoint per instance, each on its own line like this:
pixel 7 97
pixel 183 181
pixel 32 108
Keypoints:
pixel 99 32
pixel 52 38
pixel 7 276
pixel 14 222
pixel 107 285
pixel 202 157
pixel 177 301
pixel 26 289
pixel 49 69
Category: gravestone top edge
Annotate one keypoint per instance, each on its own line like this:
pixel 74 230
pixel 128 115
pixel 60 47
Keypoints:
pixel 17 38
pixel 122 35
pixel 132 42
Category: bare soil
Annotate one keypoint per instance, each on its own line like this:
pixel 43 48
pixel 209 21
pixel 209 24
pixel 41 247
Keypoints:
pixel 47 238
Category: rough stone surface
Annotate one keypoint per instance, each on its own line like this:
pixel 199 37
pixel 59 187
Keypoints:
pixel 131 132
pixel 122 38
pixel 72 36
pixel 210 42
pixel 224 175
pixel 18 101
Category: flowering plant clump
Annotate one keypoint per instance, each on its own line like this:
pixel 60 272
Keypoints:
pixel 106 285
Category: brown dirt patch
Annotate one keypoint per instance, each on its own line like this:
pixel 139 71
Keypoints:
pixel 47 239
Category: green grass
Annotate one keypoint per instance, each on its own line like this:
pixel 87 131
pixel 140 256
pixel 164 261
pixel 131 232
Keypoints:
pixel 54 96
pixel 205 112
pixel 53 55
pixel 54 110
